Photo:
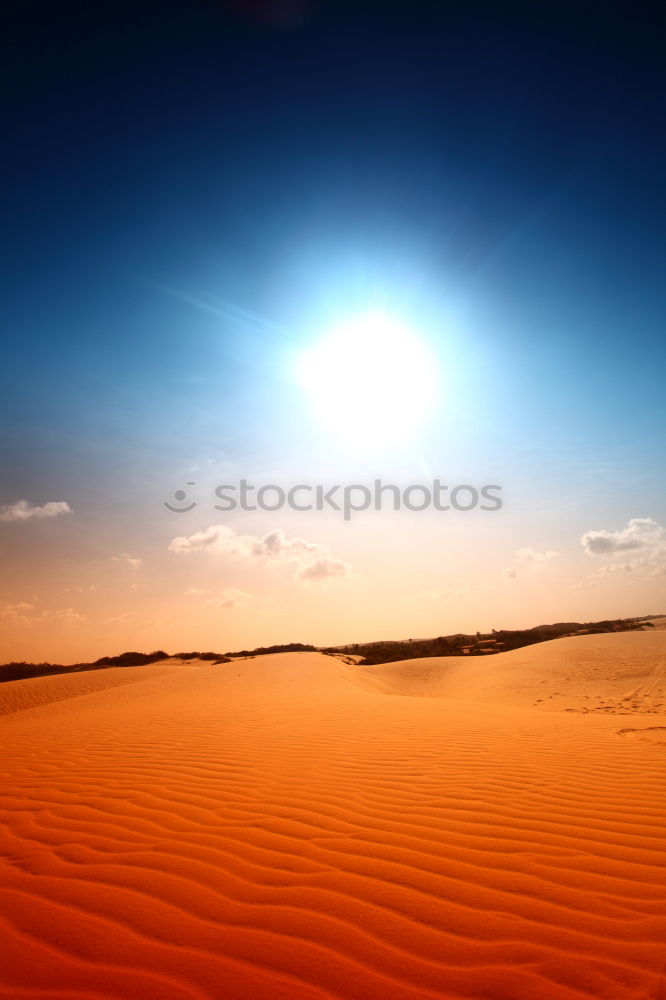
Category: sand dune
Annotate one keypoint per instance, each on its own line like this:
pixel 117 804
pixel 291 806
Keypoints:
pixel 612 673
pixel 658 623
pixel 291 826
pixel 17 696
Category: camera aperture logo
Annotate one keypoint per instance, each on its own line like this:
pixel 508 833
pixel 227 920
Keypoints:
pixel 348 500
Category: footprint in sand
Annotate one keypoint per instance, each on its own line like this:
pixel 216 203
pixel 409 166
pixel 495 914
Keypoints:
pixel 651 734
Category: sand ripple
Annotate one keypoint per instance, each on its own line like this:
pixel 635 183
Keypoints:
pixel 274 828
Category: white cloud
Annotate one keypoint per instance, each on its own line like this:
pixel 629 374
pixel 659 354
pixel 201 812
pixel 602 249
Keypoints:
pixel 639 533
pixel 642 535
pixel 310 561
pixel 128 559
pixel 529 560
pixel 22 510
pixel 324 568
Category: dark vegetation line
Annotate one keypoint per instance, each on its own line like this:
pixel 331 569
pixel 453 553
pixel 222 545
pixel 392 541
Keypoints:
pixel 483 643
pixel 18 671
pixel 459 644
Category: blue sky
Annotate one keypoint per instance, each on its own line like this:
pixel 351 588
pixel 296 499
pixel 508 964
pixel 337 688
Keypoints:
pixel 195 196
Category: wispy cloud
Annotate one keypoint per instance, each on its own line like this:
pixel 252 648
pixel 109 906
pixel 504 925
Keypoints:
pixel 234 598
pixel 433 595
pixel 15 613
pixel 529 560
pixel 22 510
pixel 61 616
pixel 129 560
pixel 27 614
pixel 310 561
pixel 118 619
pixel 230 597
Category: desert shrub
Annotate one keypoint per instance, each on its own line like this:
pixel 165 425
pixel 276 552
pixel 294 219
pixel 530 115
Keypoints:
pixel 199 656
pixel 131 659
pixel 289 647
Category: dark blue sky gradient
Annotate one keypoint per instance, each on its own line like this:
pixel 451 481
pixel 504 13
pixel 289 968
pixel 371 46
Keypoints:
pixel 511 160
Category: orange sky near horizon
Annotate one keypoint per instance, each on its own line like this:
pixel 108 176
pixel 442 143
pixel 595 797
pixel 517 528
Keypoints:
pixel 382 575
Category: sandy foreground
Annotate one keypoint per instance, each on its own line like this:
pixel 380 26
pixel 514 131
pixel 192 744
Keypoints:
pixel 292 826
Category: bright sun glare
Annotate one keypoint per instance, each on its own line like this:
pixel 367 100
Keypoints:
pixel 371 381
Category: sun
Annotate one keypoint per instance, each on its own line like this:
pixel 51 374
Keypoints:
pixel 371 380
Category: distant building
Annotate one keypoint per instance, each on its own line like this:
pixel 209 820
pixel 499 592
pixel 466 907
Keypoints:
pixel 482 646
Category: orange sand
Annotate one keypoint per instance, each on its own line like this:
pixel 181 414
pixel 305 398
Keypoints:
pixel 292 826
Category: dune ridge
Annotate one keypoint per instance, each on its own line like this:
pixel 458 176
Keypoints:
pixel 294 826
